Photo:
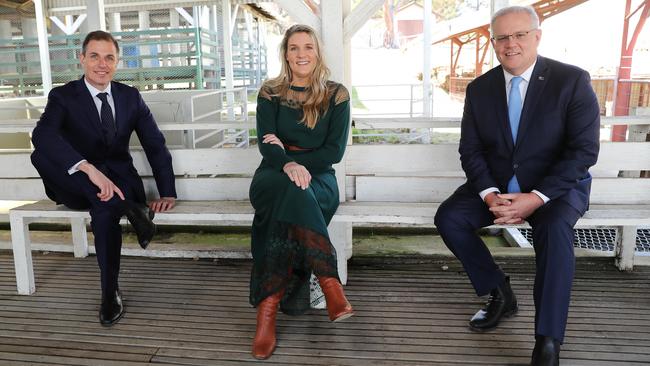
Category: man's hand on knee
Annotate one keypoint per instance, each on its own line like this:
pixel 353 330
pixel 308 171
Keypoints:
pixel 106 187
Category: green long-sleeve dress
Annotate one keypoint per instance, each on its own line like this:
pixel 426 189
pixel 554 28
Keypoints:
pixel 289 237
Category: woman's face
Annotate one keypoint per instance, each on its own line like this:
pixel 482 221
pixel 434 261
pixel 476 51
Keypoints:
pixel 302 56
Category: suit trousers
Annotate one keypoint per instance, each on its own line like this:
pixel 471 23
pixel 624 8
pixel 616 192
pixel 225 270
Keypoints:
pixel 76 191
pixel 460 216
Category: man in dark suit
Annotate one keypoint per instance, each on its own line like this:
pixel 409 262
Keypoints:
pixel 82 154
pixel 529 134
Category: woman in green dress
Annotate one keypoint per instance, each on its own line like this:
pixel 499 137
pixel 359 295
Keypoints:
pixel 302 129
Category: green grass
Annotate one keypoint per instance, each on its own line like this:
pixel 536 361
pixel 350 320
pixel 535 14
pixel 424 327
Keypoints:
pixel 354 98
pixel 252 96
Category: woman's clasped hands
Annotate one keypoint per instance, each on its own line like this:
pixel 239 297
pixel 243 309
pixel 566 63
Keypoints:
pixel 297 173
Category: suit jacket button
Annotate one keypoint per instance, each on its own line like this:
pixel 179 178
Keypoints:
pixel 515 166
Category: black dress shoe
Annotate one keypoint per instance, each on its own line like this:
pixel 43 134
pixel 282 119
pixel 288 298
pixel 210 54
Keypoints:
pixel 502 302
pixel 546 352
pixel 111 309
pixel 140 217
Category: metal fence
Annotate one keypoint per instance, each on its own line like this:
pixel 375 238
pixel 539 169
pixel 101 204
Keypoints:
pixel 158 57
pixel 389 100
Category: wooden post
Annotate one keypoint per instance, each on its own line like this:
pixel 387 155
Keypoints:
pixel 79 237
pixel 228 55
pixel 22 254
pixel 341 237
pixel 96 17
pixel 43 48
pixel 625 247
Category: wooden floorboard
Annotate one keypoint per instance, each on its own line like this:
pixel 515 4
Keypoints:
pixel 408 312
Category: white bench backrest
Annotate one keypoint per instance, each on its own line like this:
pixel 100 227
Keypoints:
pixel 406 173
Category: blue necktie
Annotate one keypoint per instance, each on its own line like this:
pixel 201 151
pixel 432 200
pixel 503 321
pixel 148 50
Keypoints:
pixel 108 122
pixel 514 114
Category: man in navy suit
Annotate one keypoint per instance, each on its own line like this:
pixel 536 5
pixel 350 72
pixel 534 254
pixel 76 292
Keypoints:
pixel 82 154
pixel 529 134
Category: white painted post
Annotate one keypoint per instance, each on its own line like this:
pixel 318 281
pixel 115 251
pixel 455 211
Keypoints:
pixel 248 18
pixel 116 22
pixel 79 237
pixel 22 254
pixel 426 65
pixel 341 238
pixel 174 22
pixel 115 25
pixel 233 19
pixel 96 16
pixel 347 48
pixel 143 24
pixel 625 247
pixel 6 59
pixel 227 57
pixel 332 36
pixel 495 5
pixel 213 61
pixel 43 48
pixel 338 60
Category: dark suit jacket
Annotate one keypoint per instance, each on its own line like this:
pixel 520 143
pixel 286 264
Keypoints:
pixel 557 140
pixel 70 130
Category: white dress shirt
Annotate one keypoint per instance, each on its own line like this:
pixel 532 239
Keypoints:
pixel 98 104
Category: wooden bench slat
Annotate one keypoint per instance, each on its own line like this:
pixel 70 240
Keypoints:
pixel 436 189
pixel 213 212
pixel 406 160
pixel 187 188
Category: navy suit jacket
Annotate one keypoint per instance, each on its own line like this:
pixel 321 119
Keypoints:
pixel 70 130
pixel 557 140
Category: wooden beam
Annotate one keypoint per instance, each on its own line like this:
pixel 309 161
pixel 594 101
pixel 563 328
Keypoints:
pixel 300 13
pixel 96 19
pixel 43 47
pixel 228 52
pixel 359 16
pixel 332 37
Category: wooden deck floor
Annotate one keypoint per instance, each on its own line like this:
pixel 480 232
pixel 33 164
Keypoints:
pixel 196 313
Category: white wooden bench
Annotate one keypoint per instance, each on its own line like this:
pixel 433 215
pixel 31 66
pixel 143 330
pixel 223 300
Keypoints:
pixel 388 185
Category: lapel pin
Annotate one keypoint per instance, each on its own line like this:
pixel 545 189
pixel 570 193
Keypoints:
pixel 540 78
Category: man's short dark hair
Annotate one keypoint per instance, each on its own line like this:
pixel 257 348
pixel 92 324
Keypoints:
pixel 99 35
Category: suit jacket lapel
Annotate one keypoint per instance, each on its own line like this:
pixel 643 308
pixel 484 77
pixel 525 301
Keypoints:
pixel 536 85
pixel 501 106
pixel 87 105
pixel 120 108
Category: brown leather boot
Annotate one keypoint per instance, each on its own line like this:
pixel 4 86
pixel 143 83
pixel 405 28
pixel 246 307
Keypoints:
pixel 264 341
pixel 338 306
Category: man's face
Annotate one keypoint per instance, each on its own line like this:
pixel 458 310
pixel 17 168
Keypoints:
pixel 518 51
pixel 99 63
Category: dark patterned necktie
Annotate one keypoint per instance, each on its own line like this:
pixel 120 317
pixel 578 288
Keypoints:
pixel 106 114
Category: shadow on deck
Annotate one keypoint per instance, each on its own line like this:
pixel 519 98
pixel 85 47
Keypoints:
pixel 197 313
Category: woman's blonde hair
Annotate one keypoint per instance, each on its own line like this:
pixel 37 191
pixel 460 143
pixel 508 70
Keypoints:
pixel 317 100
